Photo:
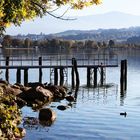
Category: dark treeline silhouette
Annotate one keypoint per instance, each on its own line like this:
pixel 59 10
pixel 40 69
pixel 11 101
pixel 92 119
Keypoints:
pixel 58 44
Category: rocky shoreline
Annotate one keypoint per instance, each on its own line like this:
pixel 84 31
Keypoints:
pixel 36 95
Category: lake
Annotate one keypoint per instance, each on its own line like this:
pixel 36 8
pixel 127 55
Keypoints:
pixel 96 113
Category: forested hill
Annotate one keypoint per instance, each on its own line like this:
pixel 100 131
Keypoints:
pixel 128 35
pixel 100 35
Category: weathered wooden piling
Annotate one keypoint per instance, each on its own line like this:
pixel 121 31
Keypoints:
pixel 7 70
pixel 76 73
pixel 72 75
pixel 40 70
pixel 123 76
pixel 55 76
pixel 95 76
pixel 26 76
pixel 102 75
pixel 18 79
pixel 61 76
pixel 88 76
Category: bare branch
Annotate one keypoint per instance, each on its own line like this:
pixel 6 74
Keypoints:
pixel 53 15
pixel 59 17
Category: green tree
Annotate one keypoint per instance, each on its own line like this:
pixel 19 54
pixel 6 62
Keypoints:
pixel 17 11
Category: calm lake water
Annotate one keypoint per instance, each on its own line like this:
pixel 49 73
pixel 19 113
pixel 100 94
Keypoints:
pixel 96 113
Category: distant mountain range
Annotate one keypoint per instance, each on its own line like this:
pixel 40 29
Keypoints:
pixel 129 35
pixel 48 24
pixel 119 35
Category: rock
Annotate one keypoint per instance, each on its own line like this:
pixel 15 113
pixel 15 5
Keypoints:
pixel 69 98
pixel 38 93
pixel 22 87
pixel 69 93
pixel 8 89
pixel 35 84
pixel 47 114
pixel 20 102
pixel 58 91
pixel 4 82
pixel 62 107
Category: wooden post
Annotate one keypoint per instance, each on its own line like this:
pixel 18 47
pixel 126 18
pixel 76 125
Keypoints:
pixel 72 75
pixel 7 70
pixel 18 76
pixel 26 77
pixel 40 70
pixel 76 74
pixel 55 76
pixel 123 76
pixel 88 76
pixel 102 76
pixel 95 76
pixel 61 76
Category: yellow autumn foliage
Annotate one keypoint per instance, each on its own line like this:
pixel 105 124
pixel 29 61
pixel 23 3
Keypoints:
pixel 17 11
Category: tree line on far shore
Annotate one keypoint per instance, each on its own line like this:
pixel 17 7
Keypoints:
pixel 11 42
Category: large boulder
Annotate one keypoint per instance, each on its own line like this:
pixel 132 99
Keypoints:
pixel 59 92
pixel 38 93
pixel 47 116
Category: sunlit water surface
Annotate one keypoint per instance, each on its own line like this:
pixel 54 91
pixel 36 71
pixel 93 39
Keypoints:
pixel 96 113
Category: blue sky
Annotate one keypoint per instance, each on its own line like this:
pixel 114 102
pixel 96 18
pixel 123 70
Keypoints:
pixel 125 6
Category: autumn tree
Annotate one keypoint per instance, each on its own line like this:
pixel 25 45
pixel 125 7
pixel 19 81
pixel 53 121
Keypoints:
pixel 17 11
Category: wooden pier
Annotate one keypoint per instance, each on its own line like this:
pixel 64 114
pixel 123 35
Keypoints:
pixel 58 65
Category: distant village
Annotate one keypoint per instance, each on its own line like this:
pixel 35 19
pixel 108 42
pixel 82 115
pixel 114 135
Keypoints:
pixel 102 38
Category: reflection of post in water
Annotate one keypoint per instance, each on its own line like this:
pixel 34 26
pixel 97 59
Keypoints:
pixel 76 92
pixel 122 97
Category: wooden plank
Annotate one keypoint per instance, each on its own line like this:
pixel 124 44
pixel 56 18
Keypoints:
pixel 53 66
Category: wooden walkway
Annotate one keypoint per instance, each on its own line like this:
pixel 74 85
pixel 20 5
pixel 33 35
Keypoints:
pixel 58 62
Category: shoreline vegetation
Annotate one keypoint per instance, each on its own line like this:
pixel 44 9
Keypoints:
pixel 35 95
pixel 59 44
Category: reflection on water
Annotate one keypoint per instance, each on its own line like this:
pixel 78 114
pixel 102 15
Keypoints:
pixel 95 114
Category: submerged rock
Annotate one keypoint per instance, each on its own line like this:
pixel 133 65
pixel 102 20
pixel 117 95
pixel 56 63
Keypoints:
pixel 62 107
pixel 46 115
pixel 69 98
